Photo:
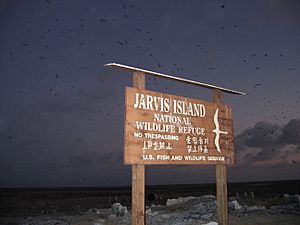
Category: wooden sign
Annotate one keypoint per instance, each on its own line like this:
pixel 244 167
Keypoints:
pixel 168 129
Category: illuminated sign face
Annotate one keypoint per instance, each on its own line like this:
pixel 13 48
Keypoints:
pixel 168 129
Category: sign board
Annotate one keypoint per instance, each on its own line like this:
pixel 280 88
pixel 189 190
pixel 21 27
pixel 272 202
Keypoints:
pixel 168 129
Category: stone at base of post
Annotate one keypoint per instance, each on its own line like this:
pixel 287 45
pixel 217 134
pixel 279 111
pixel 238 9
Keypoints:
pixel 222 201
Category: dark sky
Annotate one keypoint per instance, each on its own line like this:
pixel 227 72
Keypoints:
pixel 61 110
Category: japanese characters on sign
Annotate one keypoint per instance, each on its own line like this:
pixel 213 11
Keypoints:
pixel 168 129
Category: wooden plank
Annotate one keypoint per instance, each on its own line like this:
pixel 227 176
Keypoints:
pixel 138 173
pixel 138 194
pixel 222 201
pixel 138 80
pixel 221 180
pixel 210 86
pixel 170 137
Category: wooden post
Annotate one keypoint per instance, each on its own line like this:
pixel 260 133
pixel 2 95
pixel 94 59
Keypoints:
pixel 221 180
pixel 138 173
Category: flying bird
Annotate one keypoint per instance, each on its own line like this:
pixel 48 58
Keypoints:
pixel 256 85
pixel 50 3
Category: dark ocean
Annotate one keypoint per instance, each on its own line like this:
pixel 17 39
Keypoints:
pixel 34 201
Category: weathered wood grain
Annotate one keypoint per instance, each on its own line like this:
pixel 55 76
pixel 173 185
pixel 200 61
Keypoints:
pixel 221 180
pixel 138 173
pixel 135 153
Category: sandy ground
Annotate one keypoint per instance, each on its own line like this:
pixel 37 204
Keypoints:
pixel 266 220
pixel 181 211
pixel 96 220
pixel 161 216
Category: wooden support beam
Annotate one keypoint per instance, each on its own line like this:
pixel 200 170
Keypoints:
pixel 138 80
pixel 138 173
pixel 138 195
pixel 217 96
pixel 221 180
pixel 222 201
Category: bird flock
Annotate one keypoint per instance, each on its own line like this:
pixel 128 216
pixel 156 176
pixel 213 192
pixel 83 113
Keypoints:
pixel 43 46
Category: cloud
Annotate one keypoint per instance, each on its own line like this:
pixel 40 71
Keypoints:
pixel 291 132
pixel 269 143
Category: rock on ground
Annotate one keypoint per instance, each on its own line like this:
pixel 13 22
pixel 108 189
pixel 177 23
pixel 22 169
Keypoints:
pixel 187 211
